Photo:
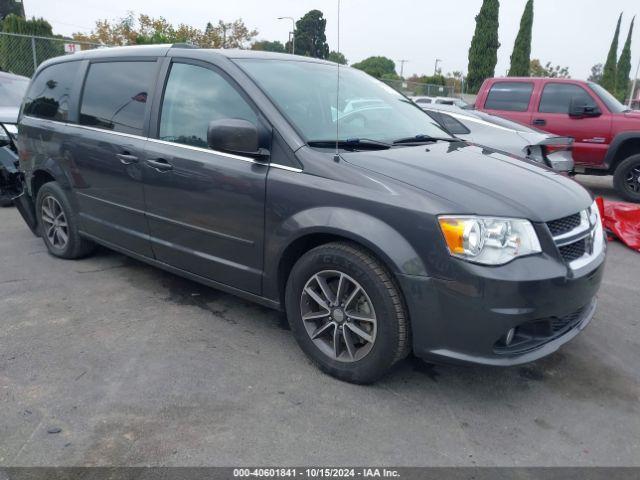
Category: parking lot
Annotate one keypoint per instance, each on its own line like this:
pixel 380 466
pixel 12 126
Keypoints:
pixel 107 361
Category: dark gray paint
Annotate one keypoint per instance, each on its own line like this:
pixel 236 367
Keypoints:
pixel 230 222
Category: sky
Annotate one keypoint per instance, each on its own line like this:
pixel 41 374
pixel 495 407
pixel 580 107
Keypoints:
pixel 573 33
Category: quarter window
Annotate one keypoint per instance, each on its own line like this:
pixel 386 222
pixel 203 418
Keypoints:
pixel 193 97
pixel 509 96
pixel 115 95
pixel 454 126
pixel 49 94
pixel 556 97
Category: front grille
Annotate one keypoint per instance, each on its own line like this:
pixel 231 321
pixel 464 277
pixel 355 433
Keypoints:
pixel 574 251
pixel 564 225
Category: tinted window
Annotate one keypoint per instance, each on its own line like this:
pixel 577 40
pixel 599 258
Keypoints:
pixel 556 97
pixel 193 97
pixel 48 96
pixel 509 96
pixel 115 95
pixel 453 125
pixel 423 100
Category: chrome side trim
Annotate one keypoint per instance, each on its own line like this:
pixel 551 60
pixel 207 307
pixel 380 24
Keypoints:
pixel 102 130
pixel 172 144
pixel 284 167
pixel 205 150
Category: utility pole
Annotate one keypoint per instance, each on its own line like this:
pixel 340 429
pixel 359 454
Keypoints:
pixel 402 62
pixel 435 70
pixel 633 87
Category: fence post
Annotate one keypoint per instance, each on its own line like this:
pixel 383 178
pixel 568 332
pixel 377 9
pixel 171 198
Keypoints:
pixel 33 51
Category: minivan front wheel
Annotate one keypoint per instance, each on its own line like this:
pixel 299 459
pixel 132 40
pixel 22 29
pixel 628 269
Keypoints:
pixel 58 223
pixel 346 312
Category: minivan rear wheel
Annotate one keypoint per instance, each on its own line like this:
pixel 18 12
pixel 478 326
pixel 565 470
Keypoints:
pixel 346 312
pixel 59 225
pixel 626 179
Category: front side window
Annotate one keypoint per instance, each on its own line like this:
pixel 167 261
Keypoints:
pixel 557 97
pixel 12 89
pixel 509 96
pixel 115 96
pixel 49 94
pixel 193 97
pixel 362 108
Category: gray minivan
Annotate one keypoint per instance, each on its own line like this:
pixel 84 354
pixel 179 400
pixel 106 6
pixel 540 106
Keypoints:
pixel 376 231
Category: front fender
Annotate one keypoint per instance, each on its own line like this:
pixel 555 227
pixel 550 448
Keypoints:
pixel 372 233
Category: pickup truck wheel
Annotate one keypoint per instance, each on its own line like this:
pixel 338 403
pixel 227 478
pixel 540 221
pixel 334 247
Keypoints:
pixel 346 312
pixel 58 223
pixel 626 179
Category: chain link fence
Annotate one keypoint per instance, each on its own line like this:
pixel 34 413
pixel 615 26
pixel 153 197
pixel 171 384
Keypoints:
pixel 21 54
pixel 416 89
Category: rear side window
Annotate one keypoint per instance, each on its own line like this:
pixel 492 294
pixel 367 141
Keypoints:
pixel 49 94
pixel 193 97
pixel 115 95
pixel 556 97
pixel 509 96
pixel 423 100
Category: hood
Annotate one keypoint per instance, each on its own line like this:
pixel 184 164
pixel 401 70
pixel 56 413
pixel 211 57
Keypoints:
pixel 633 114
pixel 478 180
pixel 9 114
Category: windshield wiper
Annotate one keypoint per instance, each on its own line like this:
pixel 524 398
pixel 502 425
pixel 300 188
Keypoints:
pixel 351 143
pixel 420 139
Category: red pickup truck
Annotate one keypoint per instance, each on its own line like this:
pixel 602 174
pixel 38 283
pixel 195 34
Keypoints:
pixel 606 133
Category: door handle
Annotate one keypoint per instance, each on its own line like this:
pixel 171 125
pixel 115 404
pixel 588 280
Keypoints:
pixel 127 159
pixel 160 164
pixel 539 121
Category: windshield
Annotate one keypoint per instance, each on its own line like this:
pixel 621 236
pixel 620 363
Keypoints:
pixel 12 91
pixel 306 93
pixel 609 100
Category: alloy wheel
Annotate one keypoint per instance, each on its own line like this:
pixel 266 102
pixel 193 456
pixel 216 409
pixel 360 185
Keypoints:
pixel 338 316
pixel 632 181
pixel 55 224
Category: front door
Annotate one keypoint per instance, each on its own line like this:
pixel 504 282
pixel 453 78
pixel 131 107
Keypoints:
pixel 105 154
pixel 592 135
pixel 205 208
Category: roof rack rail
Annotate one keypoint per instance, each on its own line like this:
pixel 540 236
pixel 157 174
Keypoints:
pixel 183 45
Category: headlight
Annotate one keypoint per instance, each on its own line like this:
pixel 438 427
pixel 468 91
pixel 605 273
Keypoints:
pixel 489 241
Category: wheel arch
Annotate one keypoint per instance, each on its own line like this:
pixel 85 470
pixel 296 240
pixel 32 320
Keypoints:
pixel 623 146
pixel 324 225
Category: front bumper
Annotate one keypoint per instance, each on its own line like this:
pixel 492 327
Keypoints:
pixel 466 321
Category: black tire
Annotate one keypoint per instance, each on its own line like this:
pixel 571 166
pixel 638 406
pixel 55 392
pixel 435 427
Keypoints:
pixel 5 201
pixel 75 245
pixel 392 333
pixel 626 179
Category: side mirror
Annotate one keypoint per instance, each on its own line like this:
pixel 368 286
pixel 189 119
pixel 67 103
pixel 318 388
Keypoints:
pixel 579 109
pixel 235 135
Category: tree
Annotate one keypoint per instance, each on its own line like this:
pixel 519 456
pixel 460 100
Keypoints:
pixel 8 7
pixel 483 53
pixel 337 57
pixel 267 46
pixel 16 55
pixel 611 66
pixel 378 67
pixel 596 73
pixel 624 67
pixel 311 40
pixel 148 30
pixel 521 56
pixel 549 71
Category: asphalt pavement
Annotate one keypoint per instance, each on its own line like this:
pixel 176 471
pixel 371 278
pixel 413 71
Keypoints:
pixel 108 361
